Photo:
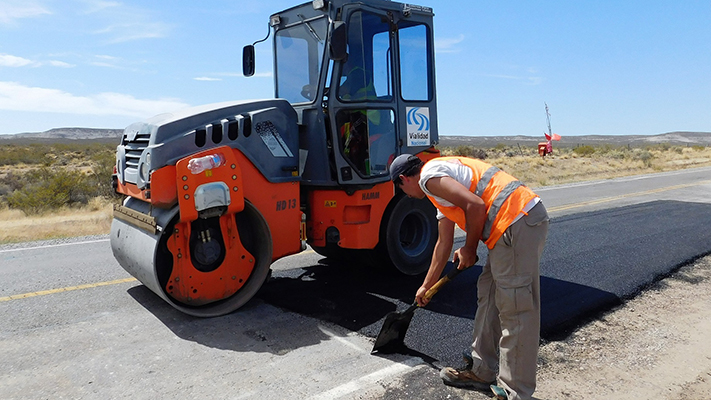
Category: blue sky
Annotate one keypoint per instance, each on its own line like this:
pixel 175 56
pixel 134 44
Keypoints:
pixel 603 67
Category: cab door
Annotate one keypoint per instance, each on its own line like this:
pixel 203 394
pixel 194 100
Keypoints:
pixel 417 100
pixel 382 99
pixel 362 103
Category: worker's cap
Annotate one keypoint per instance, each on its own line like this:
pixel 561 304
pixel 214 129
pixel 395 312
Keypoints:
pixel 401 164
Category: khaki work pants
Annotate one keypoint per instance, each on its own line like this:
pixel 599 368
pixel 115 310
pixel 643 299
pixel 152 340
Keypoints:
pixel 508 313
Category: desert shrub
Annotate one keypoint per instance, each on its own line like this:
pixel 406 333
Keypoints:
pixel 46 189
pixel 36 199
pixel 9 183
pixel 605 149
pixel 479 153
pixel 49 154
pixel 102 166
pixel 462 150
pixel 659 147
pixel 584 150
pixel 645 156
pixel 697 147
pixel 33 154
pixel 469 151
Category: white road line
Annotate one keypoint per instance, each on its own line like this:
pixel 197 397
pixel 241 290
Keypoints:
pixel 54 245
pixel 341 339
pixel 368 380
pixel 619 179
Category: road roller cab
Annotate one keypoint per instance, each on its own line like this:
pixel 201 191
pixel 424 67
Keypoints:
pixel 215 194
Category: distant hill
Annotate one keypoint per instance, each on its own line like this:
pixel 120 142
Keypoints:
pixel 62 135
pixel 672 138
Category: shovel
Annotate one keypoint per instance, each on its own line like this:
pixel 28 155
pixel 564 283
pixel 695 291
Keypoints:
pixel 392 335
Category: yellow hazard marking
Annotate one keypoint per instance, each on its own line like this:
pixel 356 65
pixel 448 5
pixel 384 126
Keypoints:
pixel 65 289
pixel 609 199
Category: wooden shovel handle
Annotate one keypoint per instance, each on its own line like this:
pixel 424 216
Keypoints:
pixel 443 280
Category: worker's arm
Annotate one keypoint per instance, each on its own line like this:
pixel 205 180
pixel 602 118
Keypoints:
pixel 474 211
pixel 440 256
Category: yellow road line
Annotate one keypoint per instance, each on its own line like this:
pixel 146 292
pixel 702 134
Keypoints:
pixel 65 289
pixel 80 287
pixel 609 199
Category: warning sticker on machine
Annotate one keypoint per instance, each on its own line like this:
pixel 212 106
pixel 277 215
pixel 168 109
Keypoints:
pixel 418 126
pixel 271 137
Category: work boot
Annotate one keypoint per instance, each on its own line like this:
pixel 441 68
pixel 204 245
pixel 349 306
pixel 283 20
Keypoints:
pixel 463 378
pixel 499 393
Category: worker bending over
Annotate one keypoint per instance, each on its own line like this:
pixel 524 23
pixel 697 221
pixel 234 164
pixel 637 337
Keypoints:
pixel 496 208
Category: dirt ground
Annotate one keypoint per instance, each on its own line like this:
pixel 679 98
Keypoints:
pixel 654 346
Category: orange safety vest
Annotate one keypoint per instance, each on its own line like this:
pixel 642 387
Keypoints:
pixel 504 196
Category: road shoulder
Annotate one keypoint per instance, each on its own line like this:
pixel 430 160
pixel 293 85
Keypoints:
pixel 654 346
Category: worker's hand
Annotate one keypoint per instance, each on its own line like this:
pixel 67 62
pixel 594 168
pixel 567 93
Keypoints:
pixel 420 296
pixel 466 256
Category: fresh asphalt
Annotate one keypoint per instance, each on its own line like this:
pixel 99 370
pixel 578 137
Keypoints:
pixel 624 235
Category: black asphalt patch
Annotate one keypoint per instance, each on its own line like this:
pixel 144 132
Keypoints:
pixel 592 262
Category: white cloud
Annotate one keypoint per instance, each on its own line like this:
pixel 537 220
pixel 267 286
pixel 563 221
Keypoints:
pixel 17 97
pixel 120 23
pixel 94 6
pixel 61 64
pixel 104 65
pixel 11 10
pixel 207 79
pixel 106 61
pixel 7 60
pixel 448 45
pixel 134 30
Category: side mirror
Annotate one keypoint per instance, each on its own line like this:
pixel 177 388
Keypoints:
pixel 339 41
pixel 248 60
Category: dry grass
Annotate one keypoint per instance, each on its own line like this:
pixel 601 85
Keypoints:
pixel 93 219
pixel 565 166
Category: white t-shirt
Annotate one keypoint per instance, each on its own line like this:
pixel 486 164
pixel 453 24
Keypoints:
pixel 439 168
pixel 459 172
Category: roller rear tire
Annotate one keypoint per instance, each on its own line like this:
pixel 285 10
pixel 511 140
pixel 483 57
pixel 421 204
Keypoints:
pixel 408 235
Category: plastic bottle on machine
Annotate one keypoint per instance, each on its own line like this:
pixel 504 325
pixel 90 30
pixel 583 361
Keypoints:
pixel 197 165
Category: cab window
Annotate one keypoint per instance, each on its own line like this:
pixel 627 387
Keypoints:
pixel 414 62
pixel 365 75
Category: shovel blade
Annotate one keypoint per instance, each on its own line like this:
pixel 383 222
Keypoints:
pixel 391 338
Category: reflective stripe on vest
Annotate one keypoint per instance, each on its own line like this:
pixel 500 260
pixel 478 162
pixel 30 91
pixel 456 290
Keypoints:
pixel 485 179
pixel 496 206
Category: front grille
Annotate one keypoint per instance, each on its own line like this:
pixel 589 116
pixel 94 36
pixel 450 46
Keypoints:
pixel 134 149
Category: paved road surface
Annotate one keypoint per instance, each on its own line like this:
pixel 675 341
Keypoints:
pixel 73 324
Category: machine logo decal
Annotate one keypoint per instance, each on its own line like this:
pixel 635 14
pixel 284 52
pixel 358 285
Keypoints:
pixel 371 195
pixel 330 203
pixel 418 126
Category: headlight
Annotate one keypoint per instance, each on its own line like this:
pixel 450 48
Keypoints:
pixel 146 167
pixel 144 172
